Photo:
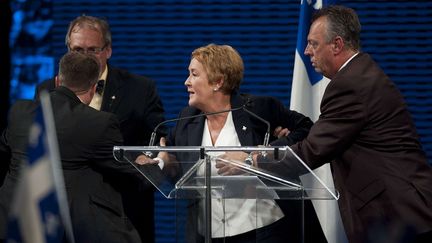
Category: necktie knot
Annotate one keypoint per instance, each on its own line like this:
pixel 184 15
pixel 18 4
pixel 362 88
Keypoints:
pixel 100 86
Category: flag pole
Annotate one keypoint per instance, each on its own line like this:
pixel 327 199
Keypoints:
pixel 54 158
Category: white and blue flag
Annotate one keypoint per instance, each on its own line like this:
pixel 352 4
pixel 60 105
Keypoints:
pixel 39 211
pixel 307 90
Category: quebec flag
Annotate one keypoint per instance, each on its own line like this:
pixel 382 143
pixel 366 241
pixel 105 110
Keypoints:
pixel 39 211
pixel 307 90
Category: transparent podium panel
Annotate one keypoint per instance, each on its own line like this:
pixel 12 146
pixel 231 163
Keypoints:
pixel 218 194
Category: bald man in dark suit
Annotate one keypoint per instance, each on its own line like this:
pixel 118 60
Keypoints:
pixel 86 138
pixel 367 135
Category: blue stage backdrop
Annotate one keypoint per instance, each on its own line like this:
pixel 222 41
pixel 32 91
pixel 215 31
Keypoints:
pixel 155 38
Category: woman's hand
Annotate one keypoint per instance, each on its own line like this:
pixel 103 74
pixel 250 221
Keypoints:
pixel 162 156
pixel 225 167
pixel 144 160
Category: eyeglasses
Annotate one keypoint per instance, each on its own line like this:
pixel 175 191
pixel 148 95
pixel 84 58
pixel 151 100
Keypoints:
pixel 91 50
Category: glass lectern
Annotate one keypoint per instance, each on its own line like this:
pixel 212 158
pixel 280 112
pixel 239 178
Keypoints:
pixel 216 201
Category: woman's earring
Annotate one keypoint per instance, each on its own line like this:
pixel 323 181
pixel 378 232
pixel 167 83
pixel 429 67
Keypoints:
pixel 215 89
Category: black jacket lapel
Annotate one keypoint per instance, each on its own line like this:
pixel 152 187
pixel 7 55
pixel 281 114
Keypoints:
pixel 242 122
pixel 112 93
pixel 195 131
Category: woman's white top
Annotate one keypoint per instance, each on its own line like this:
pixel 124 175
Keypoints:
pixel 241 215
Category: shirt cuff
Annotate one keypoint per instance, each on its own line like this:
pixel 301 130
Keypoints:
pixel 161 162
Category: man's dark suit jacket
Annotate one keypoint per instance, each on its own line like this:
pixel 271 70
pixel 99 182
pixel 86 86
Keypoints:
pixel 251 132
pixel 367 135
pixel 14 142
pixel 136 103
pixel 86 138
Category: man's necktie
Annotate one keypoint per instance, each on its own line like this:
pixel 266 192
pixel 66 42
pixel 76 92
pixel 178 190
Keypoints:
pixel 100 87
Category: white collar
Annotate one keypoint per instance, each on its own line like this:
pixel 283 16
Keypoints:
pixel 348 61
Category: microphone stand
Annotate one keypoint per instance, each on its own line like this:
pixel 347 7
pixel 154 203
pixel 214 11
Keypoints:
pixel 153 135
pixel 267 134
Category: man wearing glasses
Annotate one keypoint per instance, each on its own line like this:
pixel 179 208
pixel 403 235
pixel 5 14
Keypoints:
pixel 132 98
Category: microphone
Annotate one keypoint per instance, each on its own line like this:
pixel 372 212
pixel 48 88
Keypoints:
pixel 153 135
pixel 243 107
pixel 267 134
